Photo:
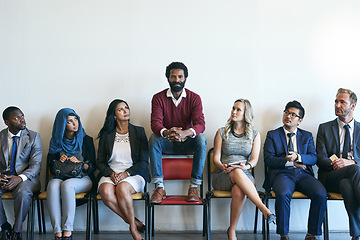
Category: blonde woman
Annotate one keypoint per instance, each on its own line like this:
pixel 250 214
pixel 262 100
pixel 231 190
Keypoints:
pixel 236 152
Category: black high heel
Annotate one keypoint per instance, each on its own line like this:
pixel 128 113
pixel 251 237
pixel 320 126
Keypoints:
pixel 227 232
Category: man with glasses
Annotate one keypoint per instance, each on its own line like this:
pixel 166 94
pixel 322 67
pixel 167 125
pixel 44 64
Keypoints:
pixel 289 154
pixel 338 152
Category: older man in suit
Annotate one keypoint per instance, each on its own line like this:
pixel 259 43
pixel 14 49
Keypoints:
pixel 338 151
pixel 20 162
pixel 289 154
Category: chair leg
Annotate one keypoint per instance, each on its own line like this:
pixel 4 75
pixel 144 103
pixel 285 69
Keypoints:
pixel 256 219
pixel 152 219
pixel 96 215
pixel 146 217
pixel 43 216
pixel 88 219
pixel 204 220
pixel 208 221
pixel 326 225
pixel 39 216
pixel 267 224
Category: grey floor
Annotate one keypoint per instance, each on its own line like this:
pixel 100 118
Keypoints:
pixel 192 236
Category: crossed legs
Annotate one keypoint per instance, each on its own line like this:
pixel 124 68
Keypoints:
pixel 119 200
pixel 242 187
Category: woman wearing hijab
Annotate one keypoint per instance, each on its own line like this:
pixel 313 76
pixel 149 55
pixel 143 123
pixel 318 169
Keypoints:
pixel 123 163
pixel 69 142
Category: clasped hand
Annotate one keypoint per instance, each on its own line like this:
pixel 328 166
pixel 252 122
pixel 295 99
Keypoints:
pixel 341 162
pixel 176 134
pixel 117 177
pixel 12 183
pixel 291 156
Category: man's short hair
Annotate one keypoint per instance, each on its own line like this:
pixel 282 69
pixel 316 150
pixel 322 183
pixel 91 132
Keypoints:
pixel 353 98
pixel 176 65
pixel 296 104
pixel 7 111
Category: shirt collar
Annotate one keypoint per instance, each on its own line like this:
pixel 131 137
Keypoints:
pixel 342 124
pixel 10 135
pixel 169 94
pixel 286 131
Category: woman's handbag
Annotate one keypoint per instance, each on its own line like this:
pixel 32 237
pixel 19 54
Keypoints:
pixel 65 170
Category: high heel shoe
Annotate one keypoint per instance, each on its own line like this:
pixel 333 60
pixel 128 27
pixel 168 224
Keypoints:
pixel 227 232
pixel 67 238
pixel 270 218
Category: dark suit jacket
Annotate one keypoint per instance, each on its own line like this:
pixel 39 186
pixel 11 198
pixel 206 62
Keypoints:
pixel 28 156
pixel 275 149
pixel 328 143
pixel 139 152
pixel 88 153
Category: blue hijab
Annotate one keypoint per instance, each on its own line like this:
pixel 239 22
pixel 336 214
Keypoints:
pixel 60 143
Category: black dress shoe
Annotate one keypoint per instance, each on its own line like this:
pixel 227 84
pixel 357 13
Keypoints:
pixel 16 236
pixel 355 238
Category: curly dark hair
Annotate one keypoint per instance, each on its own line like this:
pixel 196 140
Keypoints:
pixel 176 65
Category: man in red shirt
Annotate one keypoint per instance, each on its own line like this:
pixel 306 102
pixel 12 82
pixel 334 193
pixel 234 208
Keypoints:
pixel 178 123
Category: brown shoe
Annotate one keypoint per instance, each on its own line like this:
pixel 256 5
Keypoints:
pixel 158 195
pixel 284 237
pixel 310 237
pixel 193 195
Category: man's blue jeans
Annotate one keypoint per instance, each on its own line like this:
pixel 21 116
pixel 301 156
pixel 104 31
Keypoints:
pixel 196 146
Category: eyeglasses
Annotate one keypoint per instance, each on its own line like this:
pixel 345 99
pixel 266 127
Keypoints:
pixel 293 115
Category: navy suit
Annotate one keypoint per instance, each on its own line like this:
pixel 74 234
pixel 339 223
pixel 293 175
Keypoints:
pixel 285 180
pixel 345 180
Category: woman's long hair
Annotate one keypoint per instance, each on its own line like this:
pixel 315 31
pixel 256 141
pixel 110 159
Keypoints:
pixel 110 122
pixel 248 118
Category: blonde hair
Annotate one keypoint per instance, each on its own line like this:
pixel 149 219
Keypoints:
pixel 248 116
pixel 353 98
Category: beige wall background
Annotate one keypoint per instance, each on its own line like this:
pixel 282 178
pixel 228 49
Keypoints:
pixel 83 54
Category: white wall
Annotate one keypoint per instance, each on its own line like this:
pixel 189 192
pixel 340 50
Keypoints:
pixel 83 54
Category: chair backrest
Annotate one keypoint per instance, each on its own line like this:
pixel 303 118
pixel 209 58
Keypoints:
pixel 178 168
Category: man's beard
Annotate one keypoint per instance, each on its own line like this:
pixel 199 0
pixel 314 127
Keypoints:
pixel 177 88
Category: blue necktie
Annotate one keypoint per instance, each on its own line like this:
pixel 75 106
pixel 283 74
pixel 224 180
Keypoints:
pixel 347 142
pixel 290 145
pixel 13 156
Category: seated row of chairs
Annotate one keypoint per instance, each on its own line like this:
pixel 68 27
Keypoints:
pixel 175 168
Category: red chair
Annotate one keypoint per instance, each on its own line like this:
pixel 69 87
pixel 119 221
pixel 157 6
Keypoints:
pixel 177 168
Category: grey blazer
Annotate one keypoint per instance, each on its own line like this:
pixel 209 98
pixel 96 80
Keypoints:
pixel 28 156
pixel 328 143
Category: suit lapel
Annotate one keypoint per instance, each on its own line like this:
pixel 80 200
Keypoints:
pixel 110 140
pixel 335 131
pixel 24 139
pixel 283 138
pixel 356 137
pixel 299 143
pixel 4 145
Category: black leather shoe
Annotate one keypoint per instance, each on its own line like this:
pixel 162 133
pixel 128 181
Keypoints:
pixel 355 238
pixel 16 236
pixel 6 231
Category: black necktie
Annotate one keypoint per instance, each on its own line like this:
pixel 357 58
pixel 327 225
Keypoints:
pixel 290 145
pixel 347 142
pixel 13 156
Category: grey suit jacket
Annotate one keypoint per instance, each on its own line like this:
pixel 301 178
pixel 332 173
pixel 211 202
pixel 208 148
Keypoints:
pixel 328 143
pixel 28 156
